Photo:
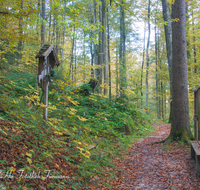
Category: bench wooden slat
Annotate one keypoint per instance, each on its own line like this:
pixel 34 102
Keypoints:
pixel 196 147
pixel 195 154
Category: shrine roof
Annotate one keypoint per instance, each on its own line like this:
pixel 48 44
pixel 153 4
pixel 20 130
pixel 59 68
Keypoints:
pixel 46 50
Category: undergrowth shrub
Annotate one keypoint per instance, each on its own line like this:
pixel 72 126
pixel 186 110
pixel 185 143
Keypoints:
pixel 84 132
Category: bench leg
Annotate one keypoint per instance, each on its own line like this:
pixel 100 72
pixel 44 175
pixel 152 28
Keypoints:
pixel 198 165
pixel 192 152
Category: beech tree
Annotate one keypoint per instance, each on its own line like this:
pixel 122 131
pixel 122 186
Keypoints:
pixel 43 24
pixel 147 56
pixel 122 49
pixel 180 113
pixel 20 37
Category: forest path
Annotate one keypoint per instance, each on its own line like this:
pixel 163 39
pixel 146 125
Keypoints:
pixel 158 166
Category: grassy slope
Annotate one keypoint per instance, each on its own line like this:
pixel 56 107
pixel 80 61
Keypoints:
pixel 80 139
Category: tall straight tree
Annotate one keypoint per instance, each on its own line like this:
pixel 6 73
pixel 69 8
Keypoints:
pixel 122 49
pixel 20 35
pixel 180 113
pixel 194 44
pixel 104 46
pixel 100 61
pixel 156 55
pixel 168 36
pixel 168 39
pixel 143 57
pixel 63 42
pixel 117 70
pixel 43 24
pixel 95 45
pixel 147 56
pixel 109 66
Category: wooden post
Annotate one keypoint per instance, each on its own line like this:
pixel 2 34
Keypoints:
pixel 198 113
pixel 195 115
pixel 46 84
pixel 45 110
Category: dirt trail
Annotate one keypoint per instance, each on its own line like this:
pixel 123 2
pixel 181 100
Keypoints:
pixel 157 167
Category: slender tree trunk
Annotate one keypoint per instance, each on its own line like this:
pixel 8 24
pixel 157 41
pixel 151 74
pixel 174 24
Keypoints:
pixel 109 64
pixel 143 57
pixel 63 42
pixel 168 39
pixel 180 113
pixel 54 24
pixel 147 55
pixel 122 50
pixel 72 58
pixel 159 66
pixel 57 33
pixel 91 44
pixel 38 14
pixel 187 30
pixel 84 56
pixel 20 35
pixel 162 99
pixel 194 45
pixel 92 56
pixel 99 74
pixel 43 24
pixel 123 45
pixel 117 73
pixel 50 22
pixel 75 65
pixel 104 46
pixel 156 55
pixel 95 45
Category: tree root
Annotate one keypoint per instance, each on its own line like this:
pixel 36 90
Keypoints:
pixel 162 141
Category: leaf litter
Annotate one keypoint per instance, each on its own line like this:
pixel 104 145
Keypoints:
pixel 149 166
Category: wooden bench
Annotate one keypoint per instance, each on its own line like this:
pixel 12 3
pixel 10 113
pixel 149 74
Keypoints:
pixel 195 154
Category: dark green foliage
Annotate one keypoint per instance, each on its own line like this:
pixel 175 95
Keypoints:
pixel 53 72
pixel 17 82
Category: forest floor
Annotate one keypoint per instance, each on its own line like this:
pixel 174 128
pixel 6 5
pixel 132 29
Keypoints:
pixel 157 166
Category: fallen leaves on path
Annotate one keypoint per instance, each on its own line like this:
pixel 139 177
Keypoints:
pixel 157 166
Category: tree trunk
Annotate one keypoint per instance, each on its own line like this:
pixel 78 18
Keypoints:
pixel 180 113
pixel 84 56
pixel 187 30
pixel 162 99
pixel 72 59
pixel 62 54
pixel 156 55
pixel 57 37
pixel 147 55
pixel 122 50
pixel 168 39
pixel 109 66
pixel 104 48
pixel 159 66
pixel 194 45
pixel 95 45
pixel 143 57
pixel 75 64
pixel 43 24
pixel 20 35
pixel 50 22
pixel 100 62
pixel 54 24
pixel 92 55
pixel 117 73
